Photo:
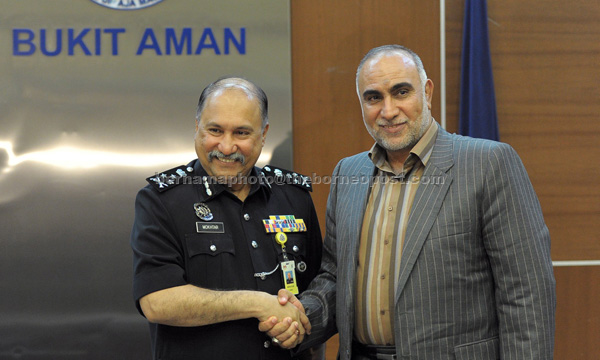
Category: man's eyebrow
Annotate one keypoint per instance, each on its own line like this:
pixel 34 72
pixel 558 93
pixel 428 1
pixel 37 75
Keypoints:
pixel 402 85
pixel 245 127
pixel 212 123
pixel 393 89
pixel 217 125
pixel 366 93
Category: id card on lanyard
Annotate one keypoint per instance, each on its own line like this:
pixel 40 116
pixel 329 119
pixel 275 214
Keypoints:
pixel 288 267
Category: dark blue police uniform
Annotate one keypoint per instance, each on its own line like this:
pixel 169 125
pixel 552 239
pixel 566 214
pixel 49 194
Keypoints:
pixel 227 249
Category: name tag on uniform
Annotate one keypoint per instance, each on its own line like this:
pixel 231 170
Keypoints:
pixel 212 227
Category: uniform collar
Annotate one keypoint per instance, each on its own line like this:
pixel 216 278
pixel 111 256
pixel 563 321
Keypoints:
pixel 209 188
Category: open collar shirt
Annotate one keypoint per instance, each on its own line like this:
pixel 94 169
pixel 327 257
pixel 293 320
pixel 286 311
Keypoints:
pixel 382 238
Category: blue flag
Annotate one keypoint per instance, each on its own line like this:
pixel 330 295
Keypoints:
pixel 477 117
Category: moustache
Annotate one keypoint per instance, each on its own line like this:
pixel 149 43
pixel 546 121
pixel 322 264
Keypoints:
pixel 219 155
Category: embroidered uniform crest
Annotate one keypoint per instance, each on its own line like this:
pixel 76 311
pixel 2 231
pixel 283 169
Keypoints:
pixel 203 211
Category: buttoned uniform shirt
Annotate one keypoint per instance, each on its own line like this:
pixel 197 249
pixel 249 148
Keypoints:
pixel 233 252
pixel 382 237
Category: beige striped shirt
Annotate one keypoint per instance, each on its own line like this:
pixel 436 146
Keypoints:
pixel 382 237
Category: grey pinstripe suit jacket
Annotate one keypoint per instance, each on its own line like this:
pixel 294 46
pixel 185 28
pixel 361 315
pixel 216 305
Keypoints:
pixel 476 278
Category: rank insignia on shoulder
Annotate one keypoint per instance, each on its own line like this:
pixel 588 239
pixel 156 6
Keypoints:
pixel 169 179
pixel 280 176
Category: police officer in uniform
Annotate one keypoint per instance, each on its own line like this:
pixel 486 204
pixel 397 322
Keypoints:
pixel 213 239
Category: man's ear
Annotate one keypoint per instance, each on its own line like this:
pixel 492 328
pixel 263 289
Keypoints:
pixel 264 134
pixel 429 92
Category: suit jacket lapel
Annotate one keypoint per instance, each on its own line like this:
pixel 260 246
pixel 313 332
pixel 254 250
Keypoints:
pixel 434 185
pixel 355 203
pixel 362 196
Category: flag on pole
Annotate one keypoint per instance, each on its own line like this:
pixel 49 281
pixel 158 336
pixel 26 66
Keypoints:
pixel 477 117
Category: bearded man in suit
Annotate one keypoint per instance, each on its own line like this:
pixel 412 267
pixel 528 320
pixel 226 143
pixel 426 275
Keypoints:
pixel 442 252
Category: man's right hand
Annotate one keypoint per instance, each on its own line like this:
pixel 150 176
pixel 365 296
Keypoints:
pixel 289 333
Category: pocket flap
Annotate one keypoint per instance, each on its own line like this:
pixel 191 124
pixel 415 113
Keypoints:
pixel 209 244
pixel 481 350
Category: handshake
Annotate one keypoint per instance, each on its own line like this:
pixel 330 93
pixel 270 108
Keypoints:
pixel 287 325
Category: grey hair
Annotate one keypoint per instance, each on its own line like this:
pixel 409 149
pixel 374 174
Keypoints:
pixel 390 49
pixel 250 88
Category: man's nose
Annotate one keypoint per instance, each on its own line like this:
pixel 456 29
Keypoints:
pixel 389 109
pixel 227 145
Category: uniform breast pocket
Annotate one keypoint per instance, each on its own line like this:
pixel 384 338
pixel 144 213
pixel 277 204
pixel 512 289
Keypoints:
pixel 208 256
pixel 295 246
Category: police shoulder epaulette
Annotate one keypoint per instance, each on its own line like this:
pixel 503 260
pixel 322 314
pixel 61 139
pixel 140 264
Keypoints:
pixel 169 179
pixel 280 176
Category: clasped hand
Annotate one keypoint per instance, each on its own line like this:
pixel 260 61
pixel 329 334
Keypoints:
pixel 288 324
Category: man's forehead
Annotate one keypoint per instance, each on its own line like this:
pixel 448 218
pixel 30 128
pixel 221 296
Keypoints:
pixel 231 108
pixel 232 99
pixel 220 123
pixel 389 63
pixel 388 69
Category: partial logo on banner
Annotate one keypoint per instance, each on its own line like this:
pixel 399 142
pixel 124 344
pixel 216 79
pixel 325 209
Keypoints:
pixel 126 4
